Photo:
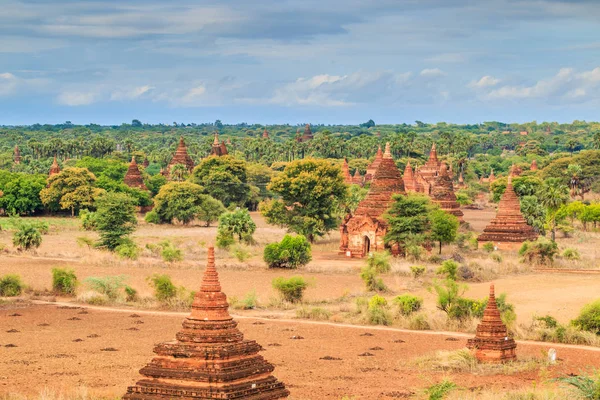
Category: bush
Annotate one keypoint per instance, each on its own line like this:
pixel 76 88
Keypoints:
pixel 373 283
pixel 549 321
pixel 85 241
pixel 107 285
pixel 115 219
pixel 88 220
pixel 540 252
pixel 418 323
pixel 315 313
pixel 379 261
pixel 465 273
pixel 589 318
pixel 11 285
pixel 224 240
pixel 169 252
pixel 408 304
pixel 241 253
pixel 291 252
pixel 235 224
pixel 449 268
pixel 417 270
pixel 571 254
pixel 130 294
pixel 152 217
pixel 128 249
pixel 27 237
pixel 291 289
pixel 164 289
pixel 250 301
pixel 496 257
pixel 488 247
pixel 64 281
pixel 377 311
pixel 414 252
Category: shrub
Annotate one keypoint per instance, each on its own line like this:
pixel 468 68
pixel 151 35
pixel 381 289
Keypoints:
pixel 291 289
pixel 435 259
pixel 27 237
pixel 291 252
pixel 169 252
pixel 379 261
pixel 408 304
pixel 571 254
pixel 224 240
pixel 128 249
pixel 85 241
pixel 418 323
pixel 236 224
pixel 549 321
pixel 152 217
pixel 377 311
pixel 250 301
pixel 164 289
pixel 115 219
pixel 241 253
pixel 465 273
pixel 11 285
pixel 130 294
pixel 488 247
pixel 414 252
pixel 589 318
pixel 417 270
pixel 540 252
pixel 449 268
pixel 315 313
pixel 373 283
pixel 88 220
pixel 440 390
pixel 106 285
pixel 496 257
pixel 587 387
pixel 64 281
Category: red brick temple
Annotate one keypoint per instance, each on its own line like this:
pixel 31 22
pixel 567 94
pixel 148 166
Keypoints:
pixel 346 172
pixel 534 166
pixel 491 342
pixel 265 134
pixel 17 155
pixel 442 193
pixel 490 179
pixel 54 168
pixel 357 179
pixel 363 232
pixel 209 359
pixel 307 134
pixel 218 149
pixel 508 229
pixel 146 163
pixel 373 166
pixel 181 156
pixel 133 177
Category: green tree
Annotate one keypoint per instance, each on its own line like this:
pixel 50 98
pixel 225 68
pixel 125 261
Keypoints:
pixel 115 219
pixel 178 172
pixel 224 178
pixel 553 194
pixel 184 202
pixel 444 227
pixel 234 224
pixel 534 213
pixel 311 192
pixel 71 189
pixel 408 220
pixel 21 192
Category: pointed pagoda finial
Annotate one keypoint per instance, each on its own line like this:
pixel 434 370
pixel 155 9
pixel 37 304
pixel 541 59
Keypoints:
pixel 443 169
pixel 387 153
pixel 433 153
pixel 216 139
pixel 210 281
pixel 492 291
pixel 379 152
pixel 132 160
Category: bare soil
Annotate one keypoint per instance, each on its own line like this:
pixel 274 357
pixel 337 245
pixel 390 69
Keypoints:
pixel 60 348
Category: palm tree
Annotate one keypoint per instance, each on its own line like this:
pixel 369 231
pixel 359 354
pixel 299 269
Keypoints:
pixel 553 194
pixel 178 172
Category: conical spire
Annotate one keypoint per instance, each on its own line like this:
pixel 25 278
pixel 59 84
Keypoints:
pixel 534 166
pixel 210 359
pixel 133 177
pixel 216 139
pixel 387 153
pixel 265 134
pixel 55 168
pixel 442 193
pixel 181 156
pixel 373 166
pixel 346 172
pixel 17 155
pixel 433 153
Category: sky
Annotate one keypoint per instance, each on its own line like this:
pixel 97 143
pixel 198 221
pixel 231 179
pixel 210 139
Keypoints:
pixel 297 61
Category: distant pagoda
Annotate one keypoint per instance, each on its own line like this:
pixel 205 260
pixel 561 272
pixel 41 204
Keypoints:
pixel 373 166
pixel 181 156
pixel 218 148
pixel 17 155
pixel 534 166
pixel 210 359
pixel 491 342
pixel 442 193
pixel 307 136
pixel 146 163
pixel 357 179
pixel 265 134
pixel 54 168
pixel 133 177
pixel 346 172
pixel 508 229
pixel 363 232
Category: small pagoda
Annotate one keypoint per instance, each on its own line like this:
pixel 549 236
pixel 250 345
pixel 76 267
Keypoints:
pixel 17 155
pixel 209 359
pixel 307 134
pixel 363 232
pixel 490 179
pixel 265 134
pixel 461 181
pixel 218 148
pixel 442 193
pixel 357 179
pixel 491 342
pixel 508 229
pixel 373 166
pixel 133 177
pixel 146 163
pixel 181 156
pixel 422 179
pixel 54 168
pixel 534 166
pixel 346 172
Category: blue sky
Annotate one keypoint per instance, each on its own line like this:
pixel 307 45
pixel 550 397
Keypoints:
pixel 294 61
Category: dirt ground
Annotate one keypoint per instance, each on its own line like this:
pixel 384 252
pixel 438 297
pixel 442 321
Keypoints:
pixel 58 348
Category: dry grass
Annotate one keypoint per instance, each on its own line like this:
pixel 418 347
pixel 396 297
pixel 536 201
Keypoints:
pixel 80 393
pixel 535 393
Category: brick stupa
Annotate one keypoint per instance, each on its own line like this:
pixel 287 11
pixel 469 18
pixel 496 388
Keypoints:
pixel 346 172
pixel 367 227
pixel 508 229
pixel 534 166
pixel 265 134
pixel 210 359
pixel 491 342
pixel 17 155
pixel 54 168
pixel 181 156
pixel 442 193
pixel 218 148
pixel 373 166
pixel 357 179
pixel 133 177
pixel 423 178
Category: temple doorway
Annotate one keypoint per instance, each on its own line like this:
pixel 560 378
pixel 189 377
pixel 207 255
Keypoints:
pixel 366 245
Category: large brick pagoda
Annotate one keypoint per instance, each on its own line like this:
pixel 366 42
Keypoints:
pixel 442 193
pixel 133 177
pixel 181 156
pixel 491 342
pixel 346 172
pixel 508 229
pixel 210 359
pixel 363 232
pixel 218 148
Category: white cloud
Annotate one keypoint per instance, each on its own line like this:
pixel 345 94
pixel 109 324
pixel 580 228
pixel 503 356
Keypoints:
pixel 77 98
pixel 448 58
pixel 131 94
pixel 485 81
pixel 8 83
pixel 194 95
pixel 432 73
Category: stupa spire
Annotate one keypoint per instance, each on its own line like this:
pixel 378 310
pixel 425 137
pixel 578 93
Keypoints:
pixel 534 166
pixel 54 168
pixel 265 134
pixel 373 166
pixel 346 172
pixel 442 193
pixel 17 155
pixel 433 153
pixel 181 156
pixel 210 359
pixel 133 177
pixel 387 153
